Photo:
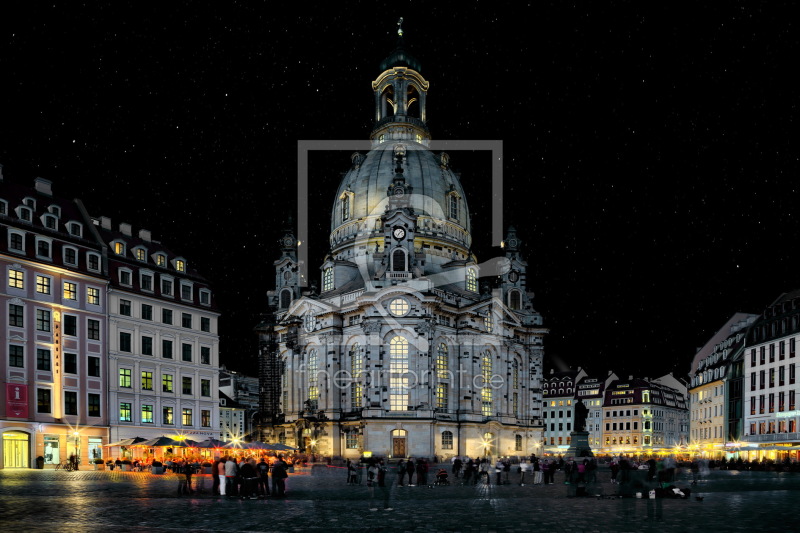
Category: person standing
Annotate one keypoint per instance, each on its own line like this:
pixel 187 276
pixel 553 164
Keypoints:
pixel 263 477
pixel 215 477
pixel 382 473
pixel 410 467
pixel 351 473
pixel 614 471
pixel 279 476
pixel 249 476
pixel 537 471
pixel 231 470
pixel 401 473
pixel 457 464
pixel 422 472
pixel 524 468
pixel 220 473
pixel 498 469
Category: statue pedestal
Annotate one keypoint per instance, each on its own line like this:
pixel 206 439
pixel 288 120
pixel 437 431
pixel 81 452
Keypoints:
pixel 579 445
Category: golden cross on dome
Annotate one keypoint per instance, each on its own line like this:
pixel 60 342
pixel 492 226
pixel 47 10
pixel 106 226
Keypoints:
pixel 400 27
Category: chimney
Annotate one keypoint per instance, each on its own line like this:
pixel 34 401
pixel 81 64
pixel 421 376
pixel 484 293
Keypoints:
pixel 125 228
pixel 145 235
pixel 43 186
pixel 105 222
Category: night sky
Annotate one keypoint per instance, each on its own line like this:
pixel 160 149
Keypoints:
pixel 651 158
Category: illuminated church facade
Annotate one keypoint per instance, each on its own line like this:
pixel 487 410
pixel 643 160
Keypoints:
pixel 401 349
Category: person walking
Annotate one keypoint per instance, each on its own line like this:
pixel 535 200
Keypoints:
pixel 498 469
pixel 537 471
pixel 457 464
pixel 215 477
pixel 614 471
pixel 382 473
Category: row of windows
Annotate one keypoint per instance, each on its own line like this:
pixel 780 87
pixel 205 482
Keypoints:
pixel 44 250
pixel 167 315
pixel 44 361
pixel 167 382
pixel 167 285
pixel 16 318
pixel 44 403
pixel 399 263
pixel 16 280
pixel 766 403
pixel 780 426
pixel 781 349
pixel 768 379
pixel 167 415
pixel 140 253
pixel 146 348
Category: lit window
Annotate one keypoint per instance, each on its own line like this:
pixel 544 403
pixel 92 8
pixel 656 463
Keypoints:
pixel 327 279
pixel 313 369
pixel 125 378
pixel 15 279
pixel 161 260
pixel 141 254
pixel 486 391
pixel 441 396
pixel 398 368
pixel 441 362
pixel 167 415
pixel 93 295
pixel 147 380
pixel 205 418
pixel 124 412
pixel 119 248
pixel 472 280
pixel 147 414
pixel 166 383
pixel 398 307
pixel 186 415
pixel 42 284
pixel 180 265
pixel 488 321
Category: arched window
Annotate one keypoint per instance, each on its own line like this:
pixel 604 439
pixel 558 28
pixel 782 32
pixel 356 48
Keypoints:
pixel 472 280
pixel 313 392
pixel 518 443
pixel 398 374
pixel 399 260
pixel 514 300
pixel 345 208
pixel 486 391
pixel 327 279
pixel 286 298
pixel 442 362
pixel 447 440
pixel 453 205
pixel 515 375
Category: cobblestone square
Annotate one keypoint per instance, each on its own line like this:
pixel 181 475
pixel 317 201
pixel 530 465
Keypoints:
pixel 319 499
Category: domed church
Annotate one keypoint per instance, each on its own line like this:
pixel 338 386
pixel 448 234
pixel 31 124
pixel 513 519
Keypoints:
pixel 399 350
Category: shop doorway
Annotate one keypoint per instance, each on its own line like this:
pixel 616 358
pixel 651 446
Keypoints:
pixel 16 449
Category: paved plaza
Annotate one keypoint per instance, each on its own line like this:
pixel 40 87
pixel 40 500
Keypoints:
pixel 319 499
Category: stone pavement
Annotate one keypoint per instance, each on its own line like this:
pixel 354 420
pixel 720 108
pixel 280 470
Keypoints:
pixel 319 499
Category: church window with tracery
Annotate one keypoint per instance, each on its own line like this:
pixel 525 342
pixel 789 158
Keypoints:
pixel 472 280
pixel 398 370
pixel 327 279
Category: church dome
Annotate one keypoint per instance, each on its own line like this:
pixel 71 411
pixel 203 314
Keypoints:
pixel 434 194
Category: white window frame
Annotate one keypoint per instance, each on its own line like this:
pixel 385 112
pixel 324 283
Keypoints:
pixel 114 244
pixel 49 245
pixel 3 207
pixel 205 294
pixel 142 274
pixel 54 210
pixel 64 290
pixel 64 255
pixel 183 261
pixel 191 290
pixel 49 216
pixel 29 202
pixel 89 263
pixel 75 225
pixel 49 284
pixel 24 209
pixel 130 276
pixel 161 280
pixel 160 259
pixel 21 234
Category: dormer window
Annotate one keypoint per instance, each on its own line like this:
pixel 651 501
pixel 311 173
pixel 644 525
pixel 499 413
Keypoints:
pixel 49 221
pixel 186 291
pixel 55 210
pixel 16 241
pixel 42 248
pixel 119 248
pixel 30 202
pixel 125 277
pixel 70 255
pixel 75 228
pixel 161 260
pixel 205 297
pixel 180 265
pixel 514 300
pixel 140 253
pixel 3 207
pixel 24 213
pixel 93 261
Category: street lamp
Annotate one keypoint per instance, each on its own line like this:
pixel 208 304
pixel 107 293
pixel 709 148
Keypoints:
pixel 77 446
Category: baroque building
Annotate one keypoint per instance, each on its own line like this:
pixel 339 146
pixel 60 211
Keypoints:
pixel 402 351
pixel 715 391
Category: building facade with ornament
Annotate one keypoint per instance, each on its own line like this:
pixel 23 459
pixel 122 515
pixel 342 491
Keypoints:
pixel 400 349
